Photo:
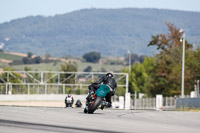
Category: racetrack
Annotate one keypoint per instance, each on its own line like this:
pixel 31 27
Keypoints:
pixel 73 120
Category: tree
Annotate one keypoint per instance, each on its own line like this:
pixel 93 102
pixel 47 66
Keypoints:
pixel 166 78
pixel 26 60
pixel 68 67
pixel 138 77
pixel 88 69
pixel 162 74
pixel 92 57
pixel 134 58
pixel 37 60
pixel 172 39
pixel 29 54
pixel 46 58
pixel 30 60
pixel 194 63
pixel 13 78
pixel 27 69
pixel 141 58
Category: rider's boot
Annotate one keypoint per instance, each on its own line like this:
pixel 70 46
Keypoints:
pixel 109 105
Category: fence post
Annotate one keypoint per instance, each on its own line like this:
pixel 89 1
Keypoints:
pixel 159 102
pixel 6 88
pixel 63 89
pixel 135 97
pixel 58 78
pixel 171 101
pixel 10 89
pixel 151 104
pixel 127 100
pixel 121 102
pixel 28 89
pixel 45 88
pixel 8 77
pixel 166 101
pixel 42 81
pixel 127 95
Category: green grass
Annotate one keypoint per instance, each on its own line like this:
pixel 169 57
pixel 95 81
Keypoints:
pixel 81 67
pixel 56 66
pixel 9 56
pixel 3 65
pixel 100 67
pixel 40 67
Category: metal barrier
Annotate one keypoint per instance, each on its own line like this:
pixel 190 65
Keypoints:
pixel 33 88
pixel 150 103
pixel 145 103
pixel 52 82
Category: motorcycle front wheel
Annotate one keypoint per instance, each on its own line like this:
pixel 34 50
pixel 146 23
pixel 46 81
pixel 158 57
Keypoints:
pixel 93 106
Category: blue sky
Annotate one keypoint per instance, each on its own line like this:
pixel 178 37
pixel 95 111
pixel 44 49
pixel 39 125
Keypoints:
pixel 13 9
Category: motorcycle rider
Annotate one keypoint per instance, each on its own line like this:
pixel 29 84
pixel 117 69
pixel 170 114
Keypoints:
pixel 69 100
pixel 108 80
pixel 78 103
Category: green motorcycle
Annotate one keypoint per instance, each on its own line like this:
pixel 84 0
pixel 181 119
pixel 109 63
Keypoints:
pixel 96 98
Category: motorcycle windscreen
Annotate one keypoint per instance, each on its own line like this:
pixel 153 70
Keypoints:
pixel 102 91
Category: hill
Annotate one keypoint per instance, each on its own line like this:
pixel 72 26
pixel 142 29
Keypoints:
pixel 109 31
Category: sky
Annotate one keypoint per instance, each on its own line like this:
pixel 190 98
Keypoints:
pixel 14 9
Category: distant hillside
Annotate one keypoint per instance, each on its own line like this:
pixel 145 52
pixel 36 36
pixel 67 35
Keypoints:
pixel 10 56
pixel 108 31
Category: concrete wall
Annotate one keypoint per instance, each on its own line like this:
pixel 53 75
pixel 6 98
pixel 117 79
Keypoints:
pixel 188 103
pixel 39 97
pixel 38 100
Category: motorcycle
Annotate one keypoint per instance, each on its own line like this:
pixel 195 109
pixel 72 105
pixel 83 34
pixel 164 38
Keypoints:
pixel 69 101
pixel 96 98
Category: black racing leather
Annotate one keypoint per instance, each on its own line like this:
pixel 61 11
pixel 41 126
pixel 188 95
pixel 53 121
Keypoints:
pixel 110 81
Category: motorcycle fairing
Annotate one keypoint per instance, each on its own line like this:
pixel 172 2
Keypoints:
pixel 102 91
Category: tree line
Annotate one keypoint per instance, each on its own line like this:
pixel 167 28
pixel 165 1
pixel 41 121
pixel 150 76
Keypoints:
pixel 161 74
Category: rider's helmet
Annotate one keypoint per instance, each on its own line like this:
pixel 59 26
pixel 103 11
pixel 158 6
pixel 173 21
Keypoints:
pixel 109 75
pixel 69 95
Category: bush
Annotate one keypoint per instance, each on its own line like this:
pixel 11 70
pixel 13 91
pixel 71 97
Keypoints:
pixel 92 57
pixel 88 69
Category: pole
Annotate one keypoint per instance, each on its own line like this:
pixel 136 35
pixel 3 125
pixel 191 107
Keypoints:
pixel 183 67
pixel 127 83
pixel 127 95
pixel 42 81
pixel 129 60
pixel 135 98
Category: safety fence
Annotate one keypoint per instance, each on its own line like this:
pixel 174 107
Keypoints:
pixel 52 82
pixel 32 88
pixel 150 103
pixel 145 103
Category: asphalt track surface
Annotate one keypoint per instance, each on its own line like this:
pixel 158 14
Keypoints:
pixel 73 120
